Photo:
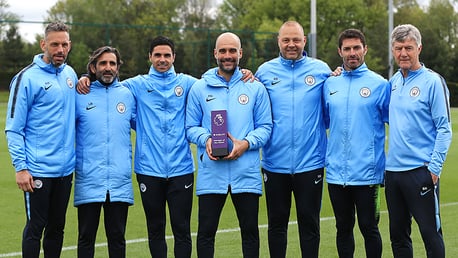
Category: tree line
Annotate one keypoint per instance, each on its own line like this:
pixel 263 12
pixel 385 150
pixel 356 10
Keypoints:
pixel 194 25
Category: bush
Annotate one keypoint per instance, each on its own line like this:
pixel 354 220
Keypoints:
pixel 453 88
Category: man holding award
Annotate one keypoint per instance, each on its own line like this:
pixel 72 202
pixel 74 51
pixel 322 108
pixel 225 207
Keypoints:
pixel 229 120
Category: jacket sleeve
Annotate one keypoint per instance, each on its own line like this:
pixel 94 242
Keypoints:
pixel 324 94
pixel 16 120
pixel 130 84
pixel 195 132
pixel 385 101
pixel 133 119
pixel 262 120
pixel 440 110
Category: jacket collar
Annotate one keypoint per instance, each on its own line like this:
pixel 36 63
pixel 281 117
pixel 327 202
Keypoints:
pixel 161 75
pixel 98 84
pixel 50 68
pixel 212 78
pixel 413 73
pixel 289 62
pixel 361 69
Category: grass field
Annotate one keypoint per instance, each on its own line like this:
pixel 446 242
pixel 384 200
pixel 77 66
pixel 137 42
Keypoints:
pixel 12 218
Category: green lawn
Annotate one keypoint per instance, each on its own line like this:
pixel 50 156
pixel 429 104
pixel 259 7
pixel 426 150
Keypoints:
pixel 228 244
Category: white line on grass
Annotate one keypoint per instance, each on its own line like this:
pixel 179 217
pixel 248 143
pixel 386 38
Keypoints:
pixel 229 230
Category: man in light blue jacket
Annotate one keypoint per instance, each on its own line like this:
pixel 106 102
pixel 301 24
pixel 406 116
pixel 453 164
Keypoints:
pixel 356 110
pixel 249 124
pixel 103 173
pixel 40 130
pixel 163 160
pixel 293 158
pixel 420 136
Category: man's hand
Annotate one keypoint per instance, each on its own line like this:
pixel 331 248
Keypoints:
pixel 208 148
pixel 337 71
pixel 83 85
pixel 239 147
pixel 25 181
pixel 434 178
pixel 247 75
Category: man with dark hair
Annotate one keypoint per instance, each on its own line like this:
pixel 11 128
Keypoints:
pixel 356 110
pixel 40 130
pixel 163 160
pixel 420 136
pixel 103 173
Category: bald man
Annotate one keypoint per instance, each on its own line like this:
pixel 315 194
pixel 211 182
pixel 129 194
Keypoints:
pixel 249 124
pixel 293 159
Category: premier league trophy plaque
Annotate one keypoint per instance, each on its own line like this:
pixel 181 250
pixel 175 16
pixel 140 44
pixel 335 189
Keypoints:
pixel 219 133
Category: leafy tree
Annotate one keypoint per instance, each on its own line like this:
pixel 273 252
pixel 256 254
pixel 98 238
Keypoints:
pixel 15 53
pixel 194 25
pixel 439 30
pixel 407 11
pixel 363 15
pixel 438 24
pixel 130 25
pixel 5 16
pixel 194 48
pixel 124 24
pixel 332 18
pixel 13 50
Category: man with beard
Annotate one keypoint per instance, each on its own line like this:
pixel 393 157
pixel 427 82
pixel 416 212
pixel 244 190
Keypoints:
pixel 40 130
pixel 163 160
pixel 249 124
pixel 356 110
pixel 103 173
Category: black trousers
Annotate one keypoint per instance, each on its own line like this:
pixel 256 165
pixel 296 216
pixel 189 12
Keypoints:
pixel 247 209
pixel 46 209
pixel 365 201
pixel 307 188
pixel 115 219
pixel 412 193
pixel 177 193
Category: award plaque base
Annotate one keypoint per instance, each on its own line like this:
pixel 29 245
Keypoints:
pixel 220 152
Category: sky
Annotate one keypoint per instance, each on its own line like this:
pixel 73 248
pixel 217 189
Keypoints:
pixel 30 10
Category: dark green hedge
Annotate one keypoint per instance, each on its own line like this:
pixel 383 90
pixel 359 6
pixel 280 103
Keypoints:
pixel 453 88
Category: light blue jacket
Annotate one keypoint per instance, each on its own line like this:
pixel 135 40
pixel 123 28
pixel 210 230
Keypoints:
pixel 420 127
pixel 40 119
pixel 298 141
pixel 103 144
pixel 356 110
pixel 161 148
pixel 248 117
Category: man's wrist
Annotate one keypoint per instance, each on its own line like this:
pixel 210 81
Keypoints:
pixel 248 143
